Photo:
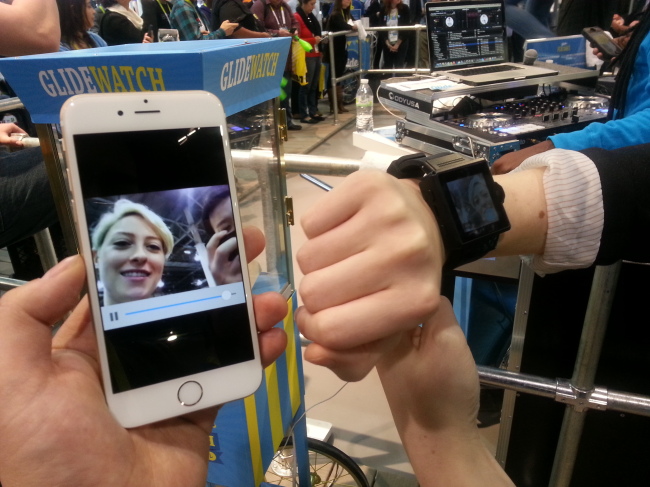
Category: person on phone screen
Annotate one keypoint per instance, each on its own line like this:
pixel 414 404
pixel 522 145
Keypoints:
pixel 131 245
pixel 481 201
pixel 223 254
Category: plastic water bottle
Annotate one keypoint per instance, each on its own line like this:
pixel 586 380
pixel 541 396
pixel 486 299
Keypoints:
pixel 364 107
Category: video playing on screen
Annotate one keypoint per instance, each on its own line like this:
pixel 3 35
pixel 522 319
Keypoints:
pixel 472 202
pixel 165 253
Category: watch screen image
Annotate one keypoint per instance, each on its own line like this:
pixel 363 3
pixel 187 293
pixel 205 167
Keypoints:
pixel 472 202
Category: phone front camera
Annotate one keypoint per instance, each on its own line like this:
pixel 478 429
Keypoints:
pixel 146 101
pixel 120 113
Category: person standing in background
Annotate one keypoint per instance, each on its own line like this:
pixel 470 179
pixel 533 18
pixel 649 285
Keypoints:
pixel 541 10
pixel 193 26
pixel 575 15
pixel 239 12
pixel 155 14
pixel 310 31
pixel 121 25
pixel 339 20
pixel 76 19
pixel 278 21
pixel 395 43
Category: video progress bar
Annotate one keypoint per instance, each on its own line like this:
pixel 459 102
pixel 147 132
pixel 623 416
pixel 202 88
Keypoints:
pixel 177 304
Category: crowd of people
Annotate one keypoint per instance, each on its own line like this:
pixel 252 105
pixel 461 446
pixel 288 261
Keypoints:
pixel 572 202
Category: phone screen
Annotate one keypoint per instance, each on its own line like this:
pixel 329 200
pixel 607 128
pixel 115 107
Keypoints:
pixel 159 212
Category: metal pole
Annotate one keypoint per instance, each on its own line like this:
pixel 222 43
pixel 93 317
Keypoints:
pixel 628 403
pixel 332 92
pixel 517 381
pixel 55 173
pixel 600 398
pixel 524 293
pixel 593 333
pixel 7 284
pixel 297 163
pixel 8 104
pixel 45 248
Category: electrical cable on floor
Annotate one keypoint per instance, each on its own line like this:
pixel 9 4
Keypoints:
pixel 290 433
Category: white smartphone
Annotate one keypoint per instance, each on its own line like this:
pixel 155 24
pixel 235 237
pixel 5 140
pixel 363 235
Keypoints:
pixel 154 201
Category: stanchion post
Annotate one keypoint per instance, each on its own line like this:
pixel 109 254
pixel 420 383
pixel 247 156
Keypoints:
pixel 584 372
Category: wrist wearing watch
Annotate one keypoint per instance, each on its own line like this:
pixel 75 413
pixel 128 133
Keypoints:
pixel 467 203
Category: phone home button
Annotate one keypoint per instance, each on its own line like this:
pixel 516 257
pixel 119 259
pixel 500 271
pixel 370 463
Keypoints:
pixel 190 393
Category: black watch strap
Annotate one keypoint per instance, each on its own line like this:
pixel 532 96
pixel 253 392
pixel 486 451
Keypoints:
pixel 419 166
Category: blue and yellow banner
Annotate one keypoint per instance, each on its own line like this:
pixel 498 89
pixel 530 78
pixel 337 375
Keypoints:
pixel 241 73
pixel 248 432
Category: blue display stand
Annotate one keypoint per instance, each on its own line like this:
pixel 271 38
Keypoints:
pixel 241 73
pixel 258 423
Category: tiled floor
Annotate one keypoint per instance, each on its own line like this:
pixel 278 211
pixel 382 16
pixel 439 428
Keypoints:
pixel 313 135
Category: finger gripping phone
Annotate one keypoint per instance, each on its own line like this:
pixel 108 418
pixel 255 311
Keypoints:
pixel 143 167
pixel 602 41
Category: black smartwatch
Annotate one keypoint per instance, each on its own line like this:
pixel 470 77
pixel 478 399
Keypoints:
pixel 467 203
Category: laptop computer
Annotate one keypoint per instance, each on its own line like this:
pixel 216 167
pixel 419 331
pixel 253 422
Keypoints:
pixel 468 43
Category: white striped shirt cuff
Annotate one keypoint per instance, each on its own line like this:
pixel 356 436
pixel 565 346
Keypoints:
pixel 574 205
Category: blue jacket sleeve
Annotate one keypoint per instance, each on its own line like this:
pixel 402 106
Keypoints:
pixel 629 130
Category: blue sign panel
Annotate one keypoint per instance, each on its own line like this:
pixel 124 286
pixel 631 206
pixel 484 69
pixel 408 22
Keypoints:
pixel 240 72
pixel 567 50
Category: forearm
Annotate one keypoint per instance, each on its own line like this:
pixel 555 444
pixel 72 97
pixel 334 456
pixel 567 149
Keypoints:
pixel 555 204
pixel 22 35
pixel 244 33
pixel 525 205
pixel 217 34
pixel 432 388
pixel 444 459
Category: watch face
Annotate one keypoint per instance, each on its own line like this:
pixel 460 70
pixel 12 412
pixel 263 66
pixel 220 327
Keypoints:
pixel 474 208
pixel 472 202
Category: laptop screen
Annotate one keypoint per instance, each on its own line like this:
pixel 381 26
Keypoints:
pixel 464 34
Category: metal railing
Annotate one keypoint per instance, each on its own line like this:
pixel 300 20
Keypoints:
pixel 334 79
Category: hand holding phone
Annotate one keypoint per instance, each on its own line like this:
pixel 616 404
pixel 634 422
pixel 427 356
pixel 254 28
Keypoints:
pixel 599 39
pixel 55 379
pixel 169 342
